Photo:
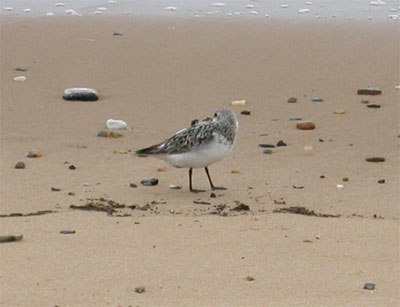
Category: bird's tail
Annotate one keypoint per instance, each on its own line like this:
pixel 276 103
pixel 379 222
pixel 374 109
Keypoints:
pixel 152 150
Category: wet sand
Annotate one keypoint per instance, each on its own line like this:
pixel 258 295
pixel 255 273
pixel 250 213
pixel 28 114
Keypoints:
pixel 158 76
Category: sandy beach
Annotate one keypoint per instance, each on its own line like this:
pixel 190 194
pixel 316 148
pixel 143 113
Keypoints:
pixel 186 249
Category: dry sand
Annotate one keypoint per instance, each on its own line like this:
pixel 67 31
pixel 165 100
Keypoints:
pixel 158 76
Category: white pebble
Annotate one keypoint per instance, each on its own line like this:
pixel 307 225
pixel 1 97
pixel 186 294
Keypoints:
pixel 302 11
pixel 20 78
pixel 171 8
pixel 340 186
pixel 254 12
pixel 71 12
pixel 218 4
pixel 112 1
pixel 308 3
pixel 103 9
pixel 59 4
pixel 394 17
pixel 397 87
pixel 266 15
pixel 115 124
pixel 229 14
pixel 97 12
pixel 27 10
pixel 212 12
pixel 50 14
pixel 238 103
pixel 86 184
pixel 377 3
pixel 250 6
pixel 284 6
pixel 8 8
pixel 308 149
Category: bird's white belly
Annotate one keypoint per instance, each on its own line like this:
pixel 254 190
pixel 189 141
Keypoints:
pixel 201 157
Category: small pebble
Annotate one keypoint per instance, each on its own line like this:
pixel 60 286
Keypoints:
pixel 175 187
pixel 298 187
pixel 108 134
pixel 34 154
pixel 116 124
pixel 117 34
pixel 249 278
pixel 339 186
pixel 140 289
pixel 292 100
pixel 10 238
pixel 67 232
pixel 20 69
pixel 72 167
pixel 212 195
pixel 281 143
pixel 267 151
pixel 295 118
pixel 266 145
pixel 375 159
pixel 345 179
pixel 339 112
pixel 81 94
pixel 381 181
pixel 369 286
pixel 373 106
pixel 20 78
pixel 55 189
pixel 305 125
pixel 172 211
pixel 71 193
pixel 149 182
pixel 316 99
pixel 245 112
pixel 238 103
pixel 235 171
pixel 365 101
pixel 308 148
pixel 20 165
pixel 132 185
pixel 369 91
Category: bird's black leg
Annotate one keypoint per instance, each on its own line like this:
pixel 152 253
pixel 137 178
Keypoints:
pixel 209 179
pixel 190 183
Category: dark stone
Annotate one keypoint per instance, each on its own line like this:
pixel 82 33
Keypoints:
pixel 267 151
pixel 80 95
pixel 375 159
pixel 295 118
pixel 369 91
pixel 292 100
pixel 212 195
pixel 281 143
pixel 67 232
pixel 149 182
pixel 245 112
pixel 249 278
pixel 140 289
pixel 132 185
pixel 55 189
pixel 317 99
pixel 299 187
pixel 72 167
pixel 320 140
pixel 381 181
pixel 20 165
pixel 373 106
pixel 20 69
pixel 369 286
pixel 117 34
pixel 240 207
pixel 266 145
pixel 71 193
pixel 10 238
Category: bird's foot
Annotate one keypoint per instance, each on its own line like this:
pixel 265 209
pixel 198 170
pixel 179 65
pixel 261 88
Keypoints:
pixel 218 188
pixel 196 191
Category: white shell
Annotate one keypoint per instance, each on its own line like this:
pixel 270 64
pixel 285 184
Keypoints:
pixel 238 103
pixel 20 78
pixel 115 124
pixel 79 90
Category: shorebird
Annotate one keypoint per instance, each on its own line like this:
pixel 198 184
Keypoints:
pixel 203 143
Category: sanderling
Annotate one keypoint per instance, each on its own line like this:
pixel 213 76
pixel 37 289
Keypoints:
pixel 203 143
